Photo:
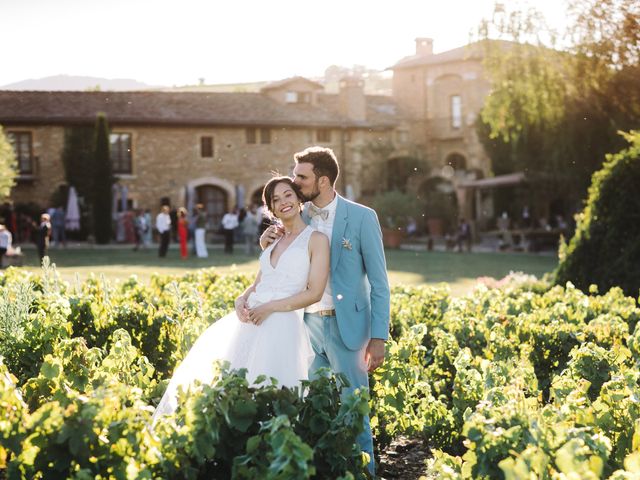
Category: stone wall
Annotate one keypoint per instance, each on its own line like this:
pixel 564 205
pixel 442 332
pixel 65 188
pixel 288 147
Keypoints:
pixel 48 142
pixel 425 92
pixel 167 160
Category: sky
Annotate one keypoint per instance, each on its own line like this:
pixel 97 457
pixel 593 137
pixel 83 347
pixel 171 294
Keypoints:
pixel 172 43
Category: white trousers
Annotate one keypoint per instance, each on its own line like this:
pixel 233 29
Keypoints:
pixel 201 247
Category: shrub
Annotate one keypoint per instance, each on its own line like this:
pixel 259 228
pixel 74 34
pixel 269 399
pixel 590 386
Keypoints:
pixel 605 250
pixel 395 209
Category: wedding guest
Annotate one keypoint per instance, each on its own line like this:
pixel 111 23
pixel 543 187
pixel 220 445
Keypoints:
pixel 140 228
pixel 183 231
pixel 229 224
pixel 146 239
pixel 58 227
pixel 163 225
pixel 5 242
pixel 43 234
pixel 200 231
pixel 250 227
pixel 464 235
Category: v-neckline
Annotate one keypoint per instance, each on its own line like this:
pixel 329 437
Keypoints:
pixel 285 250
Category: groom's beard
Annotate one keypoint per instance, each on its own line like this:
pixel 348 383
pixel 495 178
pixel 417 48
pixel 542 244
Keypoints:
pixel 313 195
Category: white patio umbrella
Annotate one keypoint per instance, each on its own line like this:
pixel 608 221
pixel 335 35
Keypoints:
pixel 72 219
pixel 240 196
pixel 124 192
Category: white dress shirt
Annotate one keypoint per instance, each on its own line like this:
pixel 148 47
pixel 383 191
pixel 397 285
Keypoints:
pixel 230 221
pixel 163 222
pixel 326 227
pixel 5 239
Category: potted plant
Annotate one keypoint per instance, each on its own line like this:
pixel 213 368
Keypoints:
pixel 395 209
pixel 440 213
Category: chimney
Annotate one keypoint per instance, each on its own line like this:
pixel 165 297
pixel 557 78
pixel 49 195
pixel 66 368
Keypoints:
pixel 351 99
pixel 424 46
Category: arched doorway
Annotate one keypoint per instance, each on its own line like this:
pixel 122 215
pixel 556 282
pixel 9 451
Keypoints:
pixel 441 205
pixel 401 169
pixel 256 196
pixel 456 161
pixel 215 202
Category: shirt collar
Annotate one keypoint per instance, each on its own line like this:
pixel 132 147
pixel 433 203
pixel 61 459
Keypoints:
pixel 331 207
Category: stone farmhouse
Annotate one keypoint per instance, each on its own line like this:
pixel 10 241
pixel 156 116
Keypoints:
pixel 220 148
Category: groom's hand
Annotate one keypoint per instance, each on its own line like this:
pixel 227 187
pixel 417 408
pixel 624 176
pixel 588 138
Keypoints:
pixel 270 235
pixel 259 314
pixel 374 355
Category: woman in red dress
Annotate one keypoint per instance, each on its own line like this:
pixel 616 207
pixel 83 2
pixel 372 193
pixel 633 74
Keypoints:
pixel 183 231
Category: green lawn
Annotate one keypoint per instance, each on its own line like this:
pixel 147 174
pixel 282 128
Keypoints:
pixel 460 270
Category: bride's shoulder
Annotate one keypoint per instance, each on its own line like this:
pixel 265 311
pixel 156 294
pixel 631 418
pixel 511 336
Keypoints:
pixel 318 238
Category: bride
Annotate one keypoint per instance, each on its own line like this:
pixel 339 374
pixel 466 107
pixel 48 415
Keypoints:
pixel 266 333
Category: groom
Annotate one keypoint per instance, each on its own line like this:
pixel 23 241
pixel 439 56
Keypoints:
pixel 350 324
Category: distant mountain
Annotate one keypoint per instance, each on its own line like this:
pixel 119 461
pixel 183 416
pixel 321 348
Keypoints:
pixel 75 83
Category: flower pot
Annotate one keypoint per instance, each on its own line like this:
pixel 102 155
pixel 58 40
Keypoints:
pixel 392 237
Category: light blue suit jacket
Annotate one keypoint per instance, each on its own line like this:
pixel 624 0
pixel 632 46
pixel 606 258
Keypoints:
pixel 359 282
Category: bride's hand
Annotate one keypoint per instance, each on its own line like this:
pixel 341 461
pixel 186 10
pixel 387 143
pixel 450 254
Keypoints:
pixel 260 313
pixel 242 309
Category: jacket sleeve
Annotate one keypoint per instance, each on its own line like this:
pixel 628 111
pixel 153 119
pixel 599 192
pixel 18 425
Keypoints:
pixel 376 270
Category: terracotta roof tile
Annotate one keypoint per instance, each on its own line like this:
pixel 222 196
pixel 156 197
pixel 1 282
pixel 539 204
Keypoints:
pixel 282 83
pixel 153 108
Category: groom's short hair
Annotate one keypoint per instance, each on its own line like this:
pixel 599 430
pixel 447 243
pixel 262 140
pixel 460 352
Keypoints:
pixel 324 161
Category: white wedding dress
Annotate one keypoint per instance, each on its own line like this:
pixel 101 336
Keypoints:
pixel 278 348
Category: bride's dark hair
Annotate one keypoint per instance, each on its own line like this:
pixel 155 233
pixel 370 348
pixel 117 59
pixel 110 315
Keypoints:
pixel 267 193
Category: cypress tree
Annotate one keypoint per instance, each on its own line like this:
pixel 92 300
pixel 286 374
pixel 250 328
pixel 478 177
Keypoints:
pixel 8 165
pixel 78 159
pixel 102 182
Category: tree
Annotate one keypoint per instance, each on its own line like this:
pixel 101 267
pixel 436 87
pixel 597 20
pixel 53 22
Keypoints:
pixel 605 250
pixel 78 163
pixel 78 159
pixel 102 182
pixel 8 165
pixel 557 111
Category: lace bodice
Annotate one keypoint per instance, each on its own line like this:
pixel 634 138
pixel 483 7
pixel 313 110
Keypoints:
pixel 289 276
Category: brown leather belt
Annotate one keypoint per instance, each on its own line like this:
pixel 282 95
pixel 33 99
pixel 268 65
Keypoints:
pixel 326 313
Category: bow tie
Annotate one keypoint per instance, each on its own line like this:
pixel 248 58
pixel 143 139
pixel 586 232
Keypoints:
pixel 315 211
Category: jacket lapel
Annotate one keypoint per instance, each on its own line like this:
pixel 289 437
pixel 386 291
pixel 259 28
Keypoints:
pixel 339 226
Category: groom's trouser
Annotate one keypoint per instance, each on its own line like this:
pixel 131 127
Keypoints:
pixel 332 353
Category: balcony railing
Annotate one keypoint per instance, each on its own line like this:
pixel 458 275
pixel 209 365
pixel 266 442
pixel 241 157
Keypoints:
pixel 446 128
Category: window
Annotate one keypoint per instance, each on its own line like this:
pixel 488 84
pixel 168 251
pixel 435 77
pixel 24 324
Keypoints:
pixel 323 135
pixel 297 97
pixel 120 152
pixel 456 111
pixel 304 97
pixel 252 135
pixel 206 147
pixel 291 97
pixel 22 145
pixel 402 136
pixel 265 135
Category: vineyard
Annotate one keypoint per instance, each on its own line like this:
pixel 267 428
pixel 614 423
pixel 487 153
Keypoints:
pixel 517 380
